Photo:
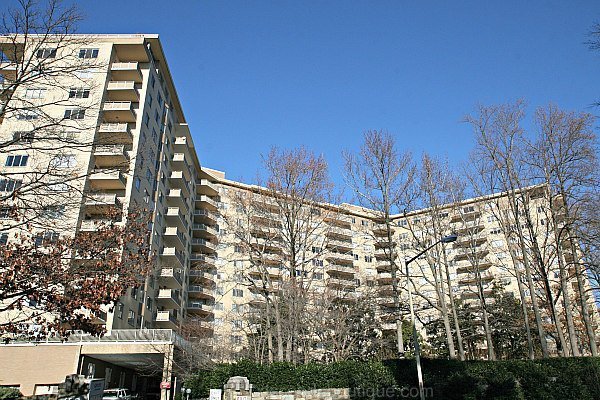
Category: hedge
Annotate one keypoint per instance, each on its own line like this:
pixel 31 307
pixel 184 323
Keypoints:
pixel 7 393
pixel 557 378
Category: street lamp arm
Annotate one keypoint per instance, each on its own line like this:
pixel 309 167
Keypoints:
pixel 422 252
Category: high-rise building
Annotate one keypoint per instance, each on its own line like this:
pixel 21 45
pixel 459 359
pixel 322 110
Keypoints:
pixel 128 145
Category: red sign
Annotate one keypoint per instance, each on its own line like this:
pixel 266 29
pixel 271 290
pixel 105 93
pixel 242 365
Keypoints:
pixel 165 385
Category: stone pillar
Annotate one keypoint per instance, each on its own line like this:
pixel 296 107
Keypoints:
pixel 237 388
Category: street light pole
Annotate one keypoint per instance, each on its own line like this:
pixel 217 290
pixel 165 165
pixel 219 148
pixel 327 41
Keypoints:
pixel 445 239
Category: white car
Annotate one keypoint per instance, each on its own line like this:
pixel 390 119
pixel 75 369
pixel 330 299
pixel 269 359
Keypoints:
pixel 117 394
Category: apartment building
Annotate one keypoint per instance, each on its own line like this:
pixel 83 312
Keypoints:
pixel 355 257
pixel 122 102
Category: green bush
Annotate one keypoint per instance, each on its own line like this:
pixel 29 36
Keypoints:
pixel 556 378
pixel 9 393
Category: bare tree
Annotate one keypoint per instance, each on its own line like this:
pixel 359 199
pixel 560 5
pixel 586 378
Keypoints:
pixel 381 178
pixel 283 233
pixel 564 155
pixel 497 153
pixel 47 117
pixel 51 285
pixel 437 188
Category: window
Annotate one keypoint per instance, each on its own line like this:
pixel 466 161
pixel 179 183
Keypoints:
pixel 27 115
pixel 469 209
pixel 58 187
pixel 237 340
pixel 134 291
pixel 318 275
pixel 149 303
pixel 75 113
pixel 64 161
pixel 17 161
pixel 46 53
pixel 364 223
pixel 317 263
pixel 237 324
pixel 316 249
pixel 131 317
pixel 120 308
pixel 368 259
pixel 35 93
pixel 237 248
pixel 45 238
pixel 88 53
pixel 238 293
pixel 53 212
pixel 355 257
pixel 402 222
pixel 3 239
pixel 79 93
pixel 84 73
pixel 219 306
pixel 496 231
pixel 4 212
pixel 23 136
pixel 10 185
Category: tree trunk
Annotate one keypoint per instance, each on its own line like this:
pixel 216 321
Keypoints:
pixel 459 339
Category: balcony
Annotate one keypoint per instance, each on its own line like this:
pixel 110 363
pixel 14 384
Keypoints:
pixel 8 70
pixel 203 230
pixel 122 91
pixel 178 161
pixel 170 277
pixel 341 258
pixel 180 143
pixel 173 236
pixel 202 260
pixel 199 308
pixel 202 276
pixel 178 180
pixel 168 298
pixel 205 216
pixel 472 255
pixel 340 245
pixel 340 269
pixel 101 202
pixel 206 203
pixel 271 272
pixel 107 179
pixel 118 111
pixel 338 219
pixel 92 225
pixel 472 279
pixel 126 71
pixel 197 291
pixel 206 187
pixel 115 133
pixel 173 256
pixel 110 156
pixel 336 233
pixel 469 216
pixel 381 229
pixel 204 245
pixel 175 217
pixel 176 198
pixel 166 319
pixel 341 283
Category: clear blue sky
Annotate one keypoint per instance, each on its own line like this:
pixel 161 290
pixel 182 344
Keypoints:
pixel 251 74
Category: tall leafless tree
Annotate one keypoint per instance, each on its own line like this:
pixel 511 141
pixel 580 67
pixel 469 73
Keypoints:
pixel 381 178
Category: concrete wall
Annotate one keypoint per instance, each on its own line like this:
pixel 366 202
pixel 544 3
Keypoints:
pixel 317 394
pixel 27 366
